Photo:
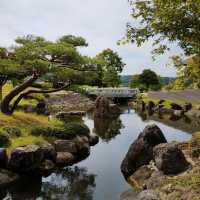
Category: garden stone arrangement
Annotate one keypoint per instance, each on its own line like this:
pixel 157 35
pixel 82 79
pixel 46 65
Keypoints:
pixel 70 145
pixel 168 159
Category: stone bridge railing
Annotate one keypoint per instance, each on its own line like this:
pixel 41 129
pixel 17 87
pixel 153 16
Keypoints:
pixel 112 92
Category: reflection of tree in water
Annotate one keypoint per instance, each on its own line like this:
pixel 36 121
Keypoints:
pixel 70 184
pixel 66 184
pixel 108 128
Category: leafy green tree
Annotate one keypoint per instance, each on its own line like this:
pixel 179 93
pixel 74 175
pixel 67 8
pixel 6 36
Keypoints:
pixel 166 20
pixel 147 80
pixel 34 57
pixel 110 65
pixel 134 81
pixel 150 79
pixel 111 78
pixel 188 72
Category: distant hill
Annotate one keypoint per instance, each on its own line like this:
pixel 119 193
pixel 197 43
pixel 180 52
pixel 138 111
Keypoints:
pixel 164 80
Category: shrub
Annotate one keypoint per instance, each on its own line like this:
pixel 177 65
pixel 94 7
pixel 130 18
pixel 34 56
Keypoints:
pixel 76 129
pixel 12 131
pixel 4 139
pixel 68 131
pixel 40 130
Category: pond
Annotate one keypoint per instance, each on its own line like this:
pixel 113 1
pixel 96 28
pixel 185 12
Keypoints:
pixel 98 177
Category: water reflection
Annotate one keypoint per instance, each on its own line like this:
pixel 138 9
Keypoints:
pixel 108 128
pixel 70 183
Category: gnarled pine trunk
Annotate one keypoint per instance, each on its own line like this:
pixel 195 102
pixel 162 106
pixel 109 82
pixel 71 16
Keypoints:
pixel 6 108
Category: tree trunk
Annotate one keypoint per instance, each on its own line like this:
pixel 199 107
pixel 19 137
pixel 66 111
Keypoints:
pixel 5 104
pixel 6 108
pixel 32 91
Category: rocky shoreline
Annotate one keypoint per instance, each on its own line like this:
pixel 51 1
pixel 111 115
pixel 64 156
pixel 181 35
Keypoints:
pixel 42 160
pixel 158 170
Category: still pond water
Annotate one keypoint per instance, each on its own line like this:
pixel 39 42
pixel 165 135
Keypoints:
pixel 98 177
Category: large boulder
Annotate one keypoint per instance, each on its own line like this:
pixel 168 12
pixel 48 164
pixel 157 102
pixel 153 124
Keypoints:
pixel 175 106
pixel 29 159
pixel 64 159
pixel 3 158
pixel 141 150
pixel 101 107
pixel 65 146
pixel 93 140
pixel 169 158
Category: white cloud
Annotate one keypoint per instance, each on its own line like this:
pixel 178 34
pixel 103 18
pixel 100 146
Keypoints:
pixel 102 23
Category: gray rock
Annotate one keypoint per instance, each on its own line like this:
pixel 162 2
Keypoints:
pixel 49 152
pixel 65 146
pixel 148 195
pixel 64 159
pixel 141 150
pixel 175 106
pixel 169 158
pixel 93 140
pixel 178 113
pixel 143 195
pixel 102 107
pixel 29 159
pixel 128 195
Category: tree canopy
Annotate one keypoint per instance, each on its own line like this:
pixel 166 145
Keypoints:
pixel 166 21
pixel 34 57
pixel 110 66
pixel 147 80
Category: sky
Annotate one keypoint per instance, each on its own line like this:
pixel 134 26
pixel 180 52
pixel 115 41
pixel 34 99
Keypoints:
pixel 101 23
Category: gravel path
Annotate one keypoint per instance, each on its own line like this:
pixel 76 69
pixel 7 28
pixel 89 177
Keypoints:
pixel 184 95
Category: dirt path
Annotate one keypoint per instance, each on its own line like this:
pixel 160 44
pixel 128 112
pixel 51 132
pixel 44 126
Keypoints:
pixel 184 95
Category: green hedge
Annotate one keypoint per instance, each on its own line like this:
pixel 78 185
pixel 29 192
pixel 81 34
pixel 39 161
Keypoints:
pixel 68 131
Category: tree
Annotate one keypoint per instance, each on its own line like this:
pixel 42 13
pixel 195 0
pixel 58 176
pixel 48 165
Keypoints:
pixel 34 57
pixel 166 20
pixel 188 72
pixel 110 65
pixel 134 81
pixel 148 79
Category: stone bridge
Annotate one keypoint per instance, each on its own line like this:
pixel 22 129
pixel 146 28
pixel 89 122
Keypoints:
pixel 112 92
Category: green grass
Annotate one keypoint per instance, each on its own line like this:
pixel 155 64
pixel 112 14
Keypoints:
pixel 25 121
pixel 25 140
pixel 167 102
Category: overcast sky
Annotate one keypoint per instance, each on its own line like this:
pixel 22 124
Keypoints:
pixel 101 22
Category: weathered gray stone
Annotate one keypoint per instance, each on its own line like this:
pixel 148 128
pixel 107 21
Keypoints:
pixel 148 195
pixel 101 107
pixel 29 159
pixel 175 106
pixel 64 159
pixel 141 150
pixel 65 146
pixel 169 158
pixel 93 140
